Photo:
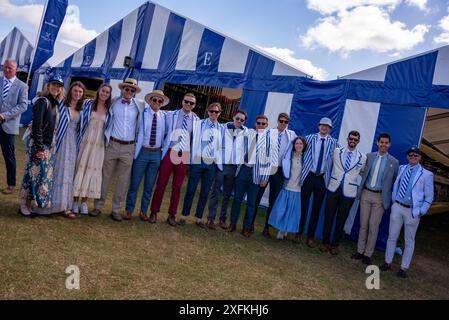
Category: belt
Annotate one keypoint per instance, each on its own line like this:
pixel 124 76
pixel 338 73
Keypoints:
pixel 375 191
pixel 122 142
pixel 318 175
pixel 403 205
pixel 151 149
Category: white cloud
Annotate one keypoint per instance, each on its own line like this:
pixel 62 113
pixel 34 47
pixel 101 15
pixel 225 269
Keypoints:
pixel 332 6
pixel 72 31
pixel 443 24
pixel 363 27
pixel 302 64
pixel 421 4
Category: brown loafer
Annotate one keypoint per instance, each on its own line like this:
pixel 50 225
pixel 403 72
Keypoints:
pixel 171 221
pixel 266 233
pixel 298 238
pixel 211 225
pixel 324 248
pixel 9 190
pixel 334 250
pixel 232 228
pixel 153 218
pixel 311 243
pixel 223 225
pixel 246 233
pixel 128 216
pixel 144 217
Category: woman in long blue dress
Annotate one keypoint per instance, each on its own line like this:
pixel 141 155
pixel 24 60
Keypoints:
pixel 287 208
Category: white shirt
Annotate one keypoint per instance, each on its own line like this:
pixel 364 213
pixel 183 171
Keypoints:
pixel 148 121
pixel 375 174
pixel 316 156
pixel 125 121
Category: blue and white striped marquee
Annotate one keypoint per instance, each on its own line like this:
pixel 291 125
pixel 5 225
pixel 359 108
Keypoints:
pixel 167 47
pixel 18 47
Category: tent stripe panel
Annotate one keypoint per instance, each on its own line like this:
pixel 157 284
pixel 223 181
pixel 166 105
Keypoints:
pixel 155 41
pixel 145 20
pixel 190 45
pixel 89 54
pixel 115 33
pixel 233 56
pixel 126 40
pixel 441 75
pixel 172 41
pixel 101 46
pixel 209 52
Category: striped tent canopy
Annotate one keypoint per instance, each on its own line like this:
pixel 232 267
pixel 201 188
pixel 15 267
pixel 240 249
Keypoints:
pixel 167 47
pixel 16 46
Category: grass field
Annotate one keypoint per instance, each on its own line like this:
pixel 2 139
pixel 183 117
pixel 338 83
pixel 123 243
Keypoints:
pixel 136 260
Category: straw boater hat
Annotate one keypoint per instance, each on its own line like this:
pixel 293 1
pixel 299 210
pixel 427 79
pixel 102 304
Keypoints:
pixel 157 94
pixel 130 82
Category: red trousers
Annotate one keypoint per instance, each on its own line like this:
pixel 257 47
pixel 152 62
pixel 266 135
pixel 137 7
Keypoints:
pixel 179 172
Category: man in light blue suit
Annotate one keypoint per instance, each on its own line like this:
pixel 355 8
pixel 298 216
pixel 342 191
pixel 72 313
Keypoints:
pixel 412 196
pixel 13 102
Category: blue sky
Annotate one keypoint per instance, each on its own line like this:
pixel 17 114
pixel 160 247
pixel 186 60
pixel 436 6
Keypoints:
pixel 327 38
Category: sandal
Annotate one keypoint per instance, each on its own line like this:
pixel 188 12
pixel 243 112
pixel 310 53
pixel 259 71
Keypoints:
pixel 69 215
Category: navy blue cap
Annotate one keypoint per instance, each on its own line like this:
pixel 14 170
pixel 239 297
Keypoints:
pixel 56 79
pixel 414 149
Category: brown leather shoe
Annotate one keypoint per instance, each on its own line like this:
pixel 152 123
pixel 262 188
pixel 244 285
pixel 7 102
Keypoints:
pixel 211 225
pixel 246 233
pixel 232 228
pixel 9 190
pixel 324 248
pixel 223 225
pixel 171 221
pixel 153 218
pixel 95 213
pixel 128 216
pixel 252 229
pixel 266 233
pixel 311 243
pixel 143 217
pixel 334 250
pixel 200 224
pixel 298 238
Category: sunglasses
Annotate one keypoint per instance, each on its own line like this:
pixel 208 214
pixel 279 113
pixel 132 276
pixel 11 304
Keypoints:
pixel 189 102
pixel 353 139
pixel 214 111
pixel 155 100
pixel 414 155
pixel 130 90
pixel 240 119
pixel 262 123
pixel 283 121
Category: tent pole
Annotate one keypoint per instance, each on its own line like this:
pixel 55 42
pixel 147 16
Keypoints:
pixel 37 40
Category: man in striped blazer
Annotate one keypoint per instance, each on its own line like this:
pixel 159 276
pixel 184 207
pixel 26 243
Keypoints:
pixel 317 167
pixel 252 176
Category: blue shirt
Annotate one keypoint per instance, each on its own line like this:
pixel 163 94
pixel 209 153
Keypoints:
pixel 407 200
pixel 380 175
pixel 316 156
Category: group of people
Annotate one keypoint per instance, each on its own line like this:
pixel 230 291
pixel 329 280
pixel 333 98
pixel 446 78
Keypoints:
pixel 76 146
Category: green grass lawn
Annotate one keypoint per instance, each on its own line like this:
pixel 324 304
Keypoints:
pixel 136 260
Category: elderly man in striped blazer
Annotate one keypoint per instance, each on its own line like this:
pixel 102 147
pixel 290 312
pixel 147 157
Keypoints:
pixel 13 102
pixel 317 167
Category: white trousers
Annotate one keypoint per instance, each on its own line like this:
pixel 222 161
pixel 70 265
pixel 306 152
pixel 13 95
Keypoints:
pixel 401 216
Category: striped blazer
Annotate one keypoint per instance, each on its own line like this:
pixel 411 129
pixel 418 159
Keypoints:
pixel 330 146
pixel 257 153
pixel 62 124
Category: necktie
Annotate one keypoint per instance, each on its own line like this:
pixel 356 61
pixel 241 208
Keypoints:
pixel 321 157
pixel 153 131
pixel 348 161
pixel 404 183
pixel 182 142
pixel 376 172
pixel 209 149
pixel 6 87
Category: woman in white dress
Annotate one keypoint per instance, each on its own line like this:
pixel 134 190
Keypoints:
pixel 91 143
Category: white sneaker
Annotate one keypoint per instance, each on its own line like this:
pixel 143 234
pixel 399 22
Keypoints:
pixel 280 236
pixel 76 208
pixel 84 209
